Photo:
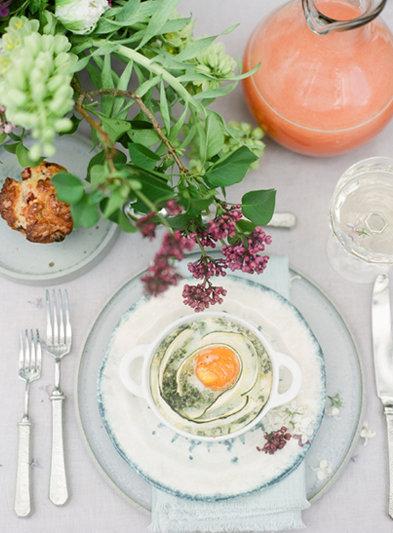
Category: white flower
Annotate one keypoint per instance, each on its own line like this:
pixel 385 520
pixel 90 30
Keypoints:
pixel 273 422
pixel 80 16
pixel 278 418
pixel 367 433
pixel 302 427
pixel 334 412
pixel 323 470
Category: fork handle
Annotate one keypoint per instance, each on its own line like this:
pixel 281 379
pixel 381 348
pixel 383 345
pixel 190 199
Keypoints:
pixel 58 491
pixel 22 505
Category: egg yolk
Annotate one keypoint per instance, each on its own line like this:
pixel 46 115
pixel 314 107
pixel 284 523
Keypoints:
pixel 217 367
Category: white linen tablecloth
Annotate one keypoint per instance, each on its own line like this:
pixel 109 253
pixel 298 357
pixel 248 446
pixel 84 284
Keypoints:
pixel 357 501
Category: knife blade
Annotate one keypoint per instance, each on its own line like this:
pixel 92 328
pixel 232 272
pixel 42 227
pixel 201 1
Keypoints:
pixel 383 364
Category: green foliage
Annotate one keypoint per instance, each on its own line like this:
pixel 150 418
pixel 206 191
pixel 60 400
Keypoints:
pixel 258 206
pixel 230 169
pixel 149 110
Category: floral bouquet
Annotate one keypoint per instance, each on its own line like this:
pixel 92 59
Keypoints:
pixel 134 72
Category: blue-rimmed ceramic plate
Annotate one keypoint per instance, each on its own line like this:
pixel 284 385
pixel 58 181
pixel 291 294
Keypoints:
pixel 190 468
pixel 334 441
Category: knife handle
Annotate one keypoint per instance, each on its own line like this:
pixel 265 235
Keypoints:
pixel 389 424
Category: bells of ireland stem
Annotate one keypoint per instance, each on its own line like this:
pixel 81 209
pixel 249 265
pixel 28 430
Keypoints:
pixel 80 16
pixel 35 83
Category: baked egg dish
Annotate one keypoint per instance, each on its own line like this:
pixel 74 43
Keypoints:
pixel 210 377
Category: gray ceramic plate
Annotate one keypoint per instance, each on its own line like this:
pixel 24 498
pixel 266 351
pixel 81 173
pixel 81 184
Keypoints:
pixel 333 442
pixel 45 264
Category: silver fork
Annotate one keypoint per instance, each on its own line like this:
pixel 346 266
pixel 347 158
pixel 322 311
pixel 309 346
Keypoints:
pixel 58 344
pixel 29 369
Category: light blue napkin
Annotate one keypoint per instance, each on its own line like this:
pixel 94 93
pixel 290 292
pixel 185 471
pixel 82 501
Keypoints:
pixel 275 508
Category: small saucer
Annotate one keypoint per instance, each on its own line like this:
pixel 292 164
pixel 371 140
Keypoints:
pixel 44 264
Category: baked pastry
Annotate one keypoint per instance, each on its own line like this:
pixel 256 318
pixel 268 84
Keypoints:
pixel 31 206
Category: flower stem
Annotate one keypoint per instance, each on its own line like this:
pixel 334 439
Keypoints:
pixel 157 69
pixel 108 145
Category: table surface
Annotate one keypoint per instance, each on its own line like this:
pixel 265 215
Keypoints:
pixel 358 499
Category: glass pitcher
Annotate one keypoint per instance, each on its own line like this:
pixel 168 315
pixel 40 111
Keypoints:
pixel 325 81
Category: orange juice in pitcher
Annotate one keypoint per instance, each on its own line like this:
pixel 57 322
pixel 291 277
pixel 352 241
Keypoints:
pixel 325 81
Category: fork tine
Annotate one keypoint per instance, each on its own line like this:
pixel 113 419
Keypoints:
pixel 21 351
pixel 55 322
pixel 33 356
pixel 27 351
pixel 49 331
pixel 61 319
pixel 39 352
pixel 68 321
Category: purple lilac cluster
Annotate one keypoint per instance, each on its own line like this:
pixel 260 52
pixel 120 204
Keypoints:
pixel 199 297
pixel 276 440
pixel 162 274
pixel 4 11
pixel 5 126
pixel 147 226
pixel 242 254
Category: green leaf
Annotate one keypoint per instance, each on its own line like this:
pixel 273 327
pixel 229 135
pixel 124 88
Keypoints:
pixel 11 148
pixel 164 109
pixel 106 49
pixel 75 124
pixel 115 200
pixel 128 11
pixel 24 158
pixel 97 159
pixel 179 221
pixel 162 12
pixel 95 75
pixel 202 145
pixel 69 188
pixel 115 127
pixel 189 137
pixel 154 189
pixel 231 169
pixel 14 137
pixel 202 203
pixel 84 213
pixel 258 206
pixel 98 174
pixel 245 226
pixel 122 86
pixel 177 24
pixel 200 45
pixel 146 137
pixel 107 83
pixel 3 137
pixel 175 130
pixel 215 135
pixel 78 65
pixel 142 156
pixel 124 223
pixel 196 48
pixel 148 84
pixel 96 196
pixel 216 93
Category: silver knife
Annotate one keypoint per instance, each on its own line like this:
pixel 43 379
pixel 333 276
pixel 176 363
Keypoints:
pixel 383 363
pixel 282 220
